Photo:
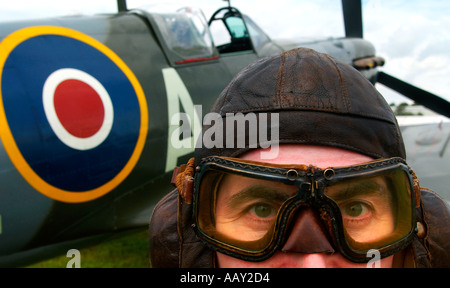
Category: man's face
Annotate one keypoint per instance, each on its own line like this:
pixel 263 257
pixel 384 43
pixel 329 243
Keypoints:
pixel 260 215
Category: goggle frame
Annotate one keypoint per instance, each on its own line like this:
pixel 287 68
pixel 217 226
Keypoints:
pixel 310 181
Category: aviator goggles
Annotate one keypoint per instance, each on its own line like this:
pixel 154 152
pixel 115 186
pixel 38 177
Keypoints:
pixel 246 209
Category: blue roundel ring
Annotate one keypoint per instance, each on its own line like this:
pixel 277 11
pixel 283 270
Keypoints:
pixel 43 71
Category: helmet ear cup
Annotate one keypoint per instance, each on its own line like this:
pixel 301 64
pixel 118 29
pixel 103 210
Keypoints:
pixel 308 234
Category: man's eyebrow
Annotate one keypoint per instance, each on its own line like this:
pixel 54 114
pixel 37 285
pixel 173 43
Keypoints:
pixel 257 192
pixel 357 188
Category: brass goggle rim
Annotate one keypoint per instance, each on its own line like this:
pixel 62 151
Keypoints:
pixel 290 174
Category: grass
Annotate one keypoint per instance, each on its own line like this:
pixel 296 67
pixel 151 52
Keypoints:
pixel 126 251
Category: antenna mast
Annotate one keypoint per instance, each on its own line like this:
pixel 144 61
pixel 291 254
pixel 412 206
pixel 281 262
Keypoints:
pixel 122 5
pixel 228 3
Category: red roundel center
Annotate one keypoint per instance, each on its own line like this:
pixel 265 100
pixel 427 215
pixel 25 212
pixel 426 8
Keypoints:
pixel 79 108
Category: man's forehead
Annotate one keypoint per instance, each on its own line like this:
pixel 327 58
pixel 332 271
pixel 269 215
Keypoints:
pixel 319 156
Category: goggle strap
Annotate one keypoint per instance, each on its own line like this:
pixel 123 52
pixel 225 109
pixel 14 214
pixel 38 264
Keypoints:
pixel 416 188
pixel 183 180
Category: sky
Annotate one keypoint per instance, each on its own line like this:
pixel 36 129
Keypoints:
pixel 412 35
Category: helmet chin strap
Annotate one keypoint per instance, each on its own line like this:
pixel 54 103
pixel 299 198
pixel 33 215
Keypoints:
pixel 308 235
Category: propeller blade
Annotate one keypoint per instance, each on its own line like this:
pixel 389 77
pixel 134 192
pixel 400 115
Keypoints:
pixel 425 98
pixel 352 18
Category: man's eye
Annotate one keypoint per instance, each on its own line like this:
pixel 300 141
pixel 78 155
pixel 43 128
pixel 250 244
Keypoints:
pixel 355 209
pixel 262 210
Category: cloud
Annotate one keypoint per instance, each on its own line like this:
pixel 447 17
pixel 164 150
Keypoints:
pixel 29 9
pixel 414 40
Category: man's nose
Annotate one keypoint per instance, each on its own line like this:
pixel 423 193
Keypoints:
pixel 308 235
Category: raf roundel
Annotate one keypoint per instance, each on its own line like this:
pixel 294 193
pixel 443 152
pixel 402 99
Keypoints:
pixel 78 108
pixel 74 115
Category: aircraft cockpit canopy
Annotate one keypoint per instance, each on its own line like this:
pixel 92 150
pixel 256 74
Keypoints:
pixel 235 32
pixel 184 33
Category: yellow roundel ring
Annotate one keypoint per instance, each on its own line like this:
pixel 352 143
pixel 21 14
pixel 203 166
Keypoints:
pixel 37 175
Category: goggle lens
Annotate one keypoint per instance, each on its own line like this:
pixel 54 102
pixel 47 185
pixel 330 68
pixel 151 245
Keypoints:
pixel 375 210
pixel 241 211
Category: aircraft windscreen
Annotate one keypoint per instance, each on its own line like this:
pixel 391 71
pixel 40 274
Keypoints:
pixel 185 32
pixel 256 33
